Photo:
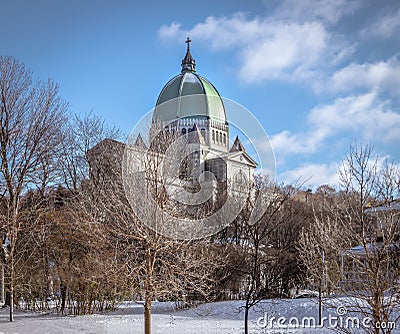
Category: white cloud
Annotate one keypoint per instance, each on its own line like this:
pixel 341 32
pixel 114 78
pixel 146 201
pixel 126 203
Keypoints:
pixel 384 26
pixel 268 48
pixel 219 32
pixel 286 142
pixel 312 175
pixel 298 43
pixel 170 31
pixel 383 75
pixel 328 11
pixel 288 50
pixel 365 116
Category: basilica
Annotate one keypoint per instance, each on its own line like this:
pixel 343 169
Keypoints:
pixel 190 106
pixel 190 111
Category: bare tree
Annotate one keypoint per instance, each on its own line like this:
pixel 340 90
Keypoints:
pixel 157 266
pixel 31 115
pixel 81 214
pixel 372 208
pixel 256 240
pixel 319 243
pixel 80 135
pixel 52 222
pixel 357 231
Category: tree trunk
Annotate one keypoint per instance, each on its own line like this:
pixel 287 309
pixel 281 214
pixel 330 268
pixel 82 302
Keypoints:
pixel 11 287
pixel 2 284
pixel 246 318
pixel 320 305
pixel 148 287
pixel 376 307
pixel 63 297
pixel 147 314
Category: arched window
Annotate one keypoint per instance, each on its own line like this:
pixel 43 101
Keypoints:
pixel 213 136
pixel 203 133
pixel 220 137
pixel 183 131
pixel 224 138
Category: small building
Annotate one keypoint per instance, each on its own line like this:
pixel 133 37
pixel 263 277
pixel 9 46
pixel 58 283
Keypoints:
pixel 354 261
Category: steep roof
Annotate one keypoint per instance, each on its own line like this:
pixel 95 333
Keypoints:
pixel 139 142
pixel 237 146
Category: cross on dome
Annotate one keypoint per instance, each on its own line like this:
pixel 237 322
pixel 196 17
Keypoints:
pixel 188 63
pixel 188 40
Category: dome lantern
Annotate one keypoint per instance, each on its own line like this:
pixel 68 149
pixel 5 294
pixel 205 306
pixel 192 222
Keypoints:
pixel 188 63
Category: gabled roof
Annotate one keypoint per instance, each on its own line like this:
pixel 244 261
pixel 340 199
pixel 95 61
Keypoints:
pixel 237 146
pixel 106 144
pixel 237 150
pixel 248 159
pixel 139 142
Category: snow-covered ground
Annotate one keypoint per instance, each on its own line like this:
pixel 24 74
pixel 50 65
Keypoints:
pixel 213 318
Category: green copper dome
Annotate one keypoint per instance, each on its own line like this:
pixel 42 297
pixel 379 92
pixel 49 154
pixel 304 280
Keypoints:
pixel 189 95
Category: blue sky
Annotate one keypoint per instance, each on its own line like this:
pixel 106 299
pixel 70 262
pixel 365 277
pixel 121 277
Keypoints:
pixel 317 74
